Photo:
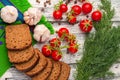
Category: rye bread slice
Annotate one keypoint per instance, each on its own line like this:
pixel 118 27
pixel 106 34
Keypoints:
pixel 55 71
pixel 40 65
pixel 18 37
pixel 43 75
pixel 20 56
pixel 65 71
pixel 26 66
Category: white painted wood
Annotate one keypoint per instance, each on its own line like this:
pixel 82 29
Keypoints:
pixel 49 8
pixel 68 58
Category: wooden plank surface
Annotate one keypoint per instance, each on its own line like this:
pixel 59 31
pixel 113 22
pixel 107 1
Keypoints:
pixel 13 74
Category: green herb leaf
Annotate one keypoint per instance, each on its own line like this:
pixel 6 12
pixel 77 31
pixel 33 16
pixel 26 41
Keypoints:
pixel 101 48
pixel 47 24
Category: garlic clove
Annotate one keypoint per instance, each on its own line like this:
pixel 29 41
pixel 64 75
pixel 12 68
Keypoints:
pixel 36 20
pixel 27 21
pixel 31 22
pixel 32 12
pixel 45 36
pixel 39 16
pixel 36 37
pixel 26 18
pixel 40 28
pixel 26 13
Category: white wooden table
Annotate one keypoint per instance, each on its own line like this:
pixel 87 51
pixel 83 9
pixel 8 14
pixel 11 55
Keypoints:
pixel 13 74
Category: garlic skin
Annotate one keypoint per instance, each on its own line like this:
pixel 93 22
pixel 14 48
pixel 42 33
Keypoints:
pixel 9 14
pixel 41 33
pixel 32 16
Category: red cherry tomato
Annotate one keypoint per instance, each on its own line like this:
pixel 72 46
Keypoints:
pixel 73 48
pixel 72 20
pixel 86 25
pixel 63 8
pixel 57 14
pixel 63 32
pixel 96 15
pixel 76 10
pixel 55 42
pixel 56 55
pixel 46 50
pixel 86 8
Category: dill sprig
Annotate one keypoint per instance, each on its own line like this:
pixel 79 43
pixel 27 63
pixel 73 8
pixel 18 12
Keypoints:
pixel 101 48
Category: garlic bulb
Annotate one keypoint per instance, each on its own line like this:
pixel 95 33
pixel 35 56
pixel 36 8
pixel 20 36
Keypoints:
pixel 9 14
pixel 41 33
pixel 32 16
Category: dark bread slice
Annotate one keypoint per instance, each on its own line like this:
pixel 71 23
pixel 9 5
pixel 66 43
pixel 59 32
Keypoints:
pixel 26 66
pixel 18 37
pixel 43 75
pixel 55 71
pixel 21 56
pixel 65 71
pixel 40 65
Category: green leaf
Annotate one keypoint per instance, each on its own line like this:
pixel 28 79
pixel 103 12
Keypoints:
pixel 47 24
pixel 33 40
pixel 4 61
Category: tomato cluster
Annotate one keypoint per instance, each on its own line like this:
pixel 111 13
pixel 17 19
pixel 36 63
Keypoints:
pixel 53 49
pixel 86 8
pixel 85 25
pixel 60 8
pixel 65 35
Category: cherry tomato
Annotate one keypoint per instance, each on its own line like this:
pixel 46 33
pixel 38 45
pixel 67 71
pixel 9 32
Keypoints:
pixel 72 20
pixel 86 25
pixel 71 38
pixel 63 8
pixel 57 14
pixel 96 15
pixel 86 8
pixel 63 32
pixel 56 55
pixel 76 10
pixel 46 50
pixel 73 48
pixel 55 42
